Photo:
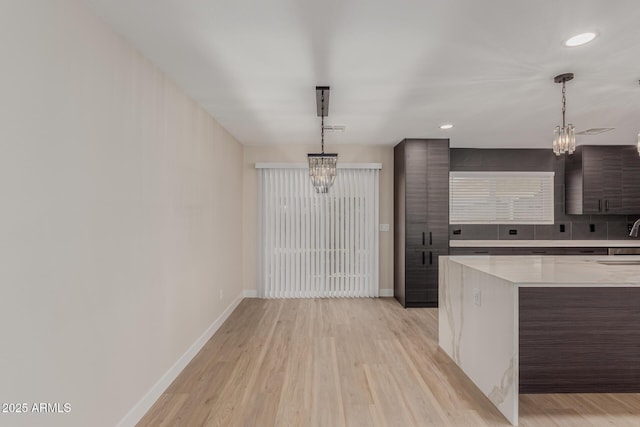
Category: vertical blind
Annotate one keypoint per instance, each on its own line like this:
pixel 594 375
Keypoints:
pixel 318 245
pixel 501 197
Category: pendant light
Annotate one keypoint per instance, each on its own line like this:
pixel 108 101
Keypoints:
pixel 322 166
pixel 564 138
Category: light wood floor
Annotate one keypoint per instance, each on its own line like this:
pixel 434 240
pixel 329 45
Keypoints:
pixel 350 362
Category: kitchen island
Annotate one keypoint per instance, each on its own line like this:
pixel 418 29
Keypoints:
pixel 542 324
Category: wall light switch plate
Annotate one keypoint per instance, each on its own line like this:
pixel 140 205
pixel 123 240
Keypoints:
pixel 384 227
pixel 477 297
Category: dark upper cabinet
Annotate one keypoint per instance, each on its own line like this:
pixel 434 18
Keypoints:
pixel 600 180
pixel 631 180
pixel 415 160
pixel 421 216
pixel 438 195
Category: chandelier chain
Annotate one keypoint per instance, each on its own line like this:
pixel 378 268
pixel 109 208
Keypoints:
pixel 322 121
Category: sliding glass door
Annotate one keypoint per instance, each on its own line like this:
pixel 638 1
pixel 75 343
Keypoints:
pixel 318 245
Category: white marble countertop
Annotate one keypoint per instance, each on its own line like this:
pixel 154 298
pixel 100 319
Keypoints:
pixel 565 270
pixel 544 243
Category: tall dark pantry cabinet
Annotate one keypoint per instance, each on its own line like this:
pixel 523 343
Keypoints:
pixel 421 219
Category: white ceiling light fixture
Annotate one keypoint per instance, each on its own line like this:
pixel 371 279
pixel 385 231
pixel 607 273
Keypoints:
pixel 594 131
pixel 446 126
pixel 322 166
pixel 335 128
pixel 564 138
pixel 580 39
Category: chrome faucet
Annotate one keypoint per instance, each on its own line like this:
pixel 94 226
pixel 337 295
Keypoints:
pixel 634 229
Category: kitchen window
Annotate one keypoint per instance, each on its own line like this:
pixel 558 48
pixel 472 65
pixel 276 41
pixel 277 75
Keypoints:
pixel 501 197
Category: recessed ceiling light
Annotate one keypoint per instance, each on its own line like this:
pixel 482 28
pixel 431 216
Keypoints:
pixel 446 126
pixel 580 39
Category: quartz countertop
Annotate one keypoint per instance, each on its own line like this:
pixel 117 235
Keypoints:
pixel 544 243
pixel 565 270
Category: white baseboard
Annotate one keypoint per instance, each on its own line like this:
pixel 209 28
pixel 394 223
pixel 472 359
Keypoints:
pixel 252 293
pixel 140 409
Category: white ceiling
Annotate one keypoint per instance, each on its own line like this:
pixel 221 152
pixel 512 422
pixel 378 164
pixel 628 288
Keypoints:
pixel 396 68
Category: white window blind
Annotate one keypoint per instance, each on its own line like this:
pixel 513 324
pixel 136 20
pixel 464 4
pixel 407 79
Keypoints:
pixel 501 197
pixel 318 245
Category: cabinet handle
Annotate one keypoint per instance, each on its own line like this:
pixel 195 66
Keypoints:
pixel 599 205
pixel 430 239
pixel 422 257
pixel 423 239
pixel 430 257
pixel 606 205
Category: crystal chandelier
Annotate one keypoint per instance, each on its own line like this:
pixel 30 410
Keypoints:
pixel 564 138
pixel 322 166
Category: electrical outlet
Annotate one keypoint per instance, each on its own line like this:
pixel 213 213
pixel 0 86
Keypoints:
pixel 384 227
pixel 477 297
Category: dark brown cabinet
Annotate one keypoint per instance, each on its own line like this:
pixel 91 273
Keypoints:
pixel 602 180
pixel 421 216
pixel 631 180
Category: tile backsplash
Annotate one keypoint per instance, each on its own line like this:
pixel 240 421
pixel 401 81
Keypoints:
pixel 566 227
pixel 473 232
pixel 515 232
pixel 579 230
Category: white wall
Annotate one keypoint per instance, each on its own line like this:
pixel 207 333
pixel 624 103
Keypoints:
pixel 298 154
pixel 120 217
